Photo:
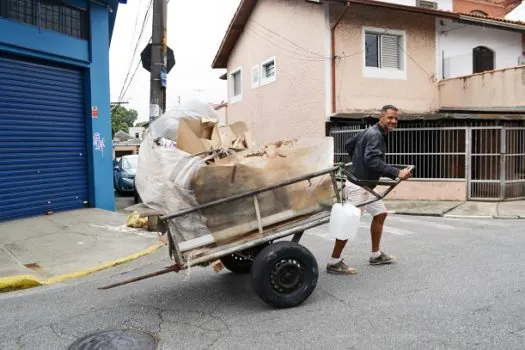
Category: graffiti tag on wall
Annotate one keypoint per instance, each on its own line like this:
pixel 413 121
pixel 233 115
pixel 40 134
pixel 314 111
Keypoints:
pixel 98 143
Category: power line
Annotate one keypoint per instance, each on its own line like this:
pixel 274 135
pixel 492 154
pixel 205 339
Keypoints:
pixel 136 21
pixel 133 75
pixel 296 55
pixel 131 80
pixel 288 40
pixel 146 17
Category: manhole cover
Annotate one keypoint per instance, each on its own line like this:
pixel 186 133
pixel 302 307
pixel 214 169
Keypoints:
pixel 119 339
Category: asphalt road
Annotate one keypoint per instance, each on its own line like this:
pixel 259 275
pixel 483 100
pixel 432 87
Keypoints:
pixel 458 285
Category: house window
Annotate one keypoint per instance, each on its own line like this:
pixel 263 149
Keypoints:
pixel 384 54
pixel 236 86
pixel 255 77
pixel 483 59
pixel 268 71
pixel 48 14
pixel 427 4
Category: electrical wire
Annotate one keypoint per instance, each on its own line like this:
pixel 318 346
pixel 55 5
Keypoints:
pixel 133 75
pixel 145 20
pixel 288 40
pixel 136 21
pixel 295 54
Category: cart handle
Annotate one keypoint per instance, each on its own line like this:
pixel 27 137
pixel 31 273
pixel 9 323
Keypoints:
pixel 366 185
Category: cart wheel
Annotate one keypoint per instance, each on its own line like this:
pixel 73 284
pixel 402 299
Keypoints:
pixel 237 264
pixel 284 274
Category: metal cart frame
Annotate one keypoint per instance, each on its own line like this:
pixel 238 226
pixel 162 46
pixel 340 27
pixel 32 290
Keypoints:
pixel 284 274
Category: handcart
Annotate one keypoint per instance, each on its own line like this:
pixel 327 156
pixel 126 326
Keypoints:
pixel 283 273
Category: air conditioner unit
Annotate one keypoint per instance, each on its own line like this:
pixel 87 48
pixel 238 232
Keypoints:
pixel 427 4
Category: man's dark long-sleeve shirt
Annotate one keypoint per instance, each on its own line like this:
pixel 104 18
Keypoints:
pixel 368 152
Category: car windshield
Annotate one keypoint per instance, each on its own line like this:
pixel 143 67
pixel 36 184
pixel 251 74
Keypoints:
pixel 130 162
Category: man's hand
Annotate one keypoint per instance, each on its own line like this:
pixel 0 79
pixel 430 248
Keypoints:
pixel 404 174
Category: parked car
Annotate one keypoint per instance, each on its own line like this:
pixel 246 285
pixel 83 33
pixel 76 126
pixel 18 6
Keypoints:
pixel 124 173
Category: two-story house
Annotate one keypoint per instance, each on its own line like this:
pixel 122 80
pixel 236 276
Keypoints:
pixel 313 67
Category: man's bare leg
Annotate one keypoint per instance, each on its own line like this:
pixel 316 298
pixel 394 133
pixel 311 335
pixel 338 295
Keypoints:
pixel 338 248
pixel 376 231
pixel 336 265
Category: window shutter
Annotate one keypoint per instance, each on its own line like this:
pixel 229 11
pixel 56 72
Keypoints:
pixel 390 52
pixel 269 69
pixel 237 84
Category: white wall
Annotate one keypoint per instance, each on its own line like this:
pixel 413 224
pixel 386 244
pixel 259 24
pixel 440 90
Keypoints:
pixel 456 41
pixel 445 5
pixel 136 129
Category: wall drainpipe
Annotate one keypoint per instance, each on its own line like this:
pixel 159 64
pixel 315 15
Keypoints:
pixel 332 38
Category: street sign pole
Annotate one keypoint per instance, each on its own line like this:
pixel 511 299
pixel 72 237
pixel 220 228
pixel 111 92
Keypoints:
pixel 158 69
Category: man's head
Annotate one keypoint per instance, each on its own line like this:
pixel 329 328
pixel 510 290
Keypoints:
pixel 389 117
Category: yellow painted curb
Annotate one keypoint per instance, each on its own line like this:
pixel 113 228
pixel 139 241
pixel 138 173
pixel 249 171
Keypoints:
pixel 12 283
pixel 8 284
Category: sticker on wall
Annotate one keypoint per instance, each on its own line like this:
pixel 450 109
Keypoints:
pixel 98 143
pixel 94 112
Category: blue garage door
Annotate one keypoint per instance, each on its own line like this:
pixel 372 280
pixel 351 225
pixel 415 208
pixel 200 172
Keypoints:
pixel 43 160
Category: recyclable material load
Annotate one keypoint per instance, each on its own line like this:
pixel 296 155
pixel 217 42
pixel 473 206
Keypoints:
pixel 187 159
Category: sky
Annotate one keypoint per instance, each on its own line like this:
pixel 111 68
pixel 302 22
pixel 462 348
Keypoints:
pixel 195 31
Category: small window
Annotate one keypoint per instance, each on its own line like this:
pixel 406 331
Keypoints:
pixel 483 59
pixel 427 4
pixel 236 86
pixel 48 14
pixel 384 56
pixel 268 71
pixel 255 77
pixel 383 51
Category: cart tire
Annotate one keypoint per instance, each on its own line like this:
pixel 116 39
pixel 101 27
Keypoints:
pixel 284 274
pixel 240 265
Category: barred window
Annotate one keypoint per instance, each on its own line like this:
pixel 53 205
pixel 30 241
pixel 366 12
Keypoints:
pixel 48 14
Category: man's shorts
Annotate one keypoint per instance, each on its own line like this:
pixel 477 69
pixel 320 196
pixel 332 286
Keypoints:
pixel 356 195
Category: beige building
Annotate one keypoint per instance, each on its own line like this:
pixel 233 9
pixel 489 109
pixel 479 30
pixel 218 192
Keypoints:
pixel 312 67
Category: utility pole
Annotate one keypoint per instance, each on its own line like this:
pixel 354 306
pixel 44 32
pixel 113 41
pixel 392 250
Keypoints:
pixel 159 59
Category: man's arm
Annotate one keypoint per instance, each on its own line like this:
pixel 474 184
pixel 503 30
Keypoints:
pixel 375 162
pixel 352 142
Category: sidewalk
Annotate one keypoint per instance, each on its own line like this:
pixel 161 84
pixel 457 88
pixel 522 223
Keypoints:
pixel 50 249
pixel 493 210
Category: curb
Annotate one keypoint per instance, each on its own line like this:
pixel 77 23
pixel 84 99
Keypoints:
pixel 417 214
pixel 499 217
pixel 19 282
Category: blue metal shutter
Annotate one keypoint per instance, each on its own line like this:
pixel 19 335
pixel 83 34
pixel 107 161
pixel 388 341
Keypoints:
pixel 43 159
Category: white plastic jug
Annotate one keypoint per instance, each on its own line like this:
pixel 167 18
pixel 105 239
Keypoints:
pixel 344 221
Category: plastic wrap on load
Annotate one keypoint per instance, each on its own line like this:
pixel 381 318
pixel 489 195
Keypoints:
pixel 187 159
pixel 166 125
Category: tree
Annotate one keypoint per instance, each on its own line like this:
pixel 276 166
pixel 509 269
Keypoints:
pixel 122 118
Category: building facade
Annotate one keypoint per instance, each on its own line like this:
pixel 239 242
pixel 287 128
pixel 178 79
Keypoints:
pixel 311 68
pixel 56 149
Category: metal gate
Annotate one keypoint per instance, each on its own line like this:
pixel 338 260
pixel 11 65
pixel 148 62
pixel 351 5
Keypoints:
pixel 514 162
pixel 490 158
pixel 43 158
pixel 496 168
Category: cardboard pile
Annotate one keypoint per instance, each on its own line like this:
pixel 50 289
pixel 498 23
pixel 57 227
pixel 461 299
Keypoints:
pixel 197 137
pixel 197 161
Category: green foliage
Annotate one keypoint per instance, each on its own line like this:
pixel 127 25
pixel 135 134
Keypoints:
pixel 122 118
